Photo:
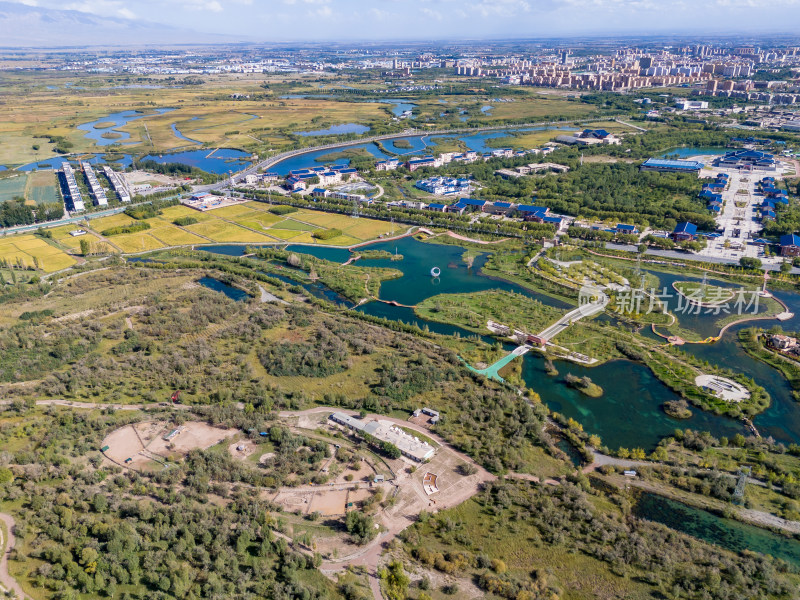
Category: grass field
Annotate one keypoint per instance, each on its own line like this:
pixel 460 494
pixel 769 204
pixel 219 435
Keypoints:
pixel 524 141
pixel 62 236
pixel 12 187
pixel 42 187
pixel 26 247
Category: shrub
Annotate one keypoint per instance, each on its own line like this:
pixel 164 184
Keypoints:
pixel 184 221
pixel 282 210
pixel 326 234
pixel 132 228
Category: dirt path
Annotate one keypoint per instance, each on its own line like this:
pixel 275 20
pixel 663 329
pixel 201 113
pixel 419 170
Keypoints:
pixel 466 239
pixel 6 580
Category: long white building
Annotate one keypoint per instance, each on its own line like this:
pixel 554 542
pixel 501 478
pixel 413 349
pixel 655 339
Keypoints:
pixel 118 183
pixel 72 191
pixel 96 190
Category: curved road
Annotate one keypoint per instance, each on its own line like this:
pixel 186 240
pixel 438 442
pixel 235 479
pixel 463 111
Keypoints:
pixel 6 580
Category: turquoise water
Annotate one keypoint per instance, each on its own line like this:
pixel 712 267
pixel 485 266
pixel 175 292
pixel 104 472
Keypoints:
pixel 727 533
pixel 629 413
pixel 218 286
pixel 119 119
pixel 336 129
pixel 219 163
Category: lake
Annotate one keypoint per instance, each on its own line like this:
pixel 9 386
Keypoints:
pixel 115 121
pixel 419 144
pixel 58 161
pixel 219 161
pixel 336 130
pixel 218 286
pixel 630 388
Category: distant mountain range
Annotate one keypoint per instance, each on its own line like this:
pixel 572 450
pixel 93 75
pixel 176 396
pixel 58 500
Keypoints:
pixel 36 27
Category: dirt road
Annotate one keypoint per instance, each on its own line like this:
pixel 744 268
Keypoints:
pixel 6 580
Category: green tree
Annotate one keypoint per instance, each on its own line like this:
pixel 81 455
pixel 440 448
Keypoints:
pixel 360 526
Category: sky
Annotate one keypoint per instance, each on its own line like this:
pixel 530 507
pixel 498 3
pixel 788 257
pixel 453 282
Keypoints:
pixel 311 20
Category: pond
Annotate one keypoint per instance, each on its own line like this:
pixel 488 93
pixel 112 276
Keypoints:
pixel 419 144
pixel 310 159
pixel 336 129
pixel 58 161
pixel 218 286
pixel 727 533
pixel 115 121
pixel 218 161
pixel 629 413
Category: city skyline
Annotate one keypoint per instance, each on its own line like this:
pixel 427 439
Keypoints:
pixel 317 20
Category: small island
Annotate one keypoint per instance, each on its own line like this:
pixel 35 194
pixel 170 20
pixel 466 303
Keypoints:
pixel 403 144
pixel 584 385
pixel 677 409
pixel 379 255
pixel 703 294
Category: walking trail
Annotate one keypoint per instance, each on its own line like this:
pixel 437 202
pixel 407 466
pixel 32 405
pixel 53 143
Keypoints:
pixel 8 582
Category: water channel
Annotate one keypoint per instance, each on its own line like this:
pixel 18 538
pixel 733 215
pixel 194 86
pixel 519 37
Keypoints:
pixel 720 531
pixel 630 388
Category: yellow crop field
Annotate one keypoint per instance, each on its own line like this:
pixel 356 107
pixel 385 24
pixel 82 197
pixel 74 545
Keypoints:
pixel 366 229
pixel 175 236
pixel 221 231
pixel 137 242
pixel 173 212
pixel 111 221
pixel 228 212
pixel 25 243
pixel 305 238
pixel 62 236
pixel 284 234
pixel 320 219
pixel 26 247
pixel 341 240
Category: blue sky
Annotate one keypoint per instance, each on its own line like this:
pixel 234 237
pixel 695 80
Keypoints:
pixel 278 20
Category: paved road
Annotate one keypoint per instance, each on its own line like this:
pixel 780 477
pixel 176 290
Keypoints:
pixel 585 310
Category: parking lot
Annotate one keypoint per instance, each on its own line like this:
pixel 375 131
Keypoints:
pixel 738 222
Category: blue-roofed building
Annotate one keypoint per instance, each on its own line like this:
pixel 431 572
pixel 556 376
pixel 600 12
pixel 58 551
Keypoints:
pixel 295 184
pixel 767 213
pixel 444 186
pixel 418 163
pixel 387 165
pixel 680 166
pixel 714 207
pixel 790 245
pixel 533 213
pixel 437 207
pixel 557 221
pixel 749 160
pixel 684 231
pixel 499 208
pixel 623 228
pixel 319 193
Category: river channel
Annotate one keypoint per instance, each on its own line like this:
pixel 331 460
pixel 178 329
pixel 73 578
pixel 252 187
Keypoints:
pixel 629 413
